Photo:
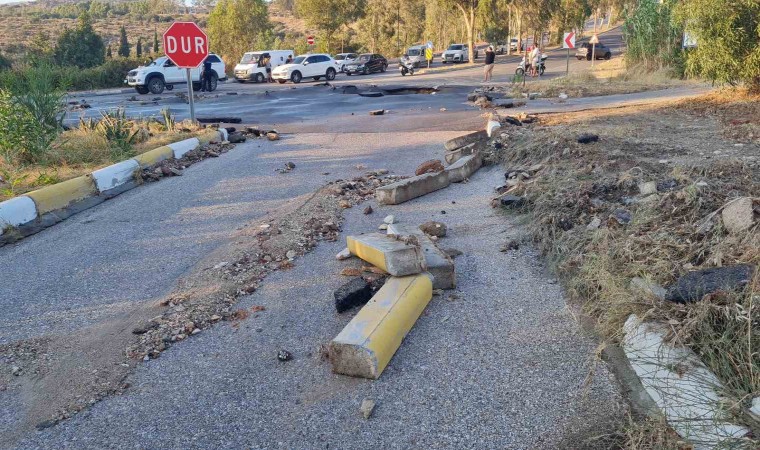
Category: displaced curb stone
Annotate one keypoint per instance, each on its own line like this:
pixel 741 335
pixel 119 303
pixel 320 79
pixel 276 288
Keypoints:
pixel 464 168
pixel 410 188
pixel 439 264
pixel 461 141
pixel 452 156
pixel 366 345
pixel 385 252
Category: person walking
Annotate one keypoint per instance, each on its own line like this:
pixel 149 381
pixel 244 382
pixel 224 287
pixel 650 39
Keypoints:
pixel 537 62
pixel 206 76
pixel 488 68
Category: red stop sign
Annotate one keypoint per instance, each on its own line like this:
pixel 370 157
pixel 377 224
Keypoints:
pixel 185 44
pixel 310 40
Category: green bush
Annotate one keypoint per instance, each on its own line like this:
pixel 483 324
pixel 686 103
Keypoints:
pixel 651 37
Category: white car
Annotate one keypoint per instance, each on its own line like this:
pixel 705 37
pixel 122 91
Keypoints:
pixel 342 59
pixel 457 53
pixel 252 66
pixel 415 56
pixel 162 74
pixel 306 66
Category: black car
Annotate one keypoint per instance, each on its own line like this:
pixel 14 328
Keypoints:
pixel 601 52
pixel 367 63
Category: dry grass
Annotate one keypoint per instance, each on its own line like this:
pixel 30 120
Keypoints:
pixel 81 150
pixel 606 78
pixel 581 182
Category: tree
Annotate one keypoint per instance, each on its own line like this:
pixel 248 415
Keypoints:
pixel 109 54
pixel 329 16
pixel 123 43
pixel 155 41
pixel 138 48
pixel 80 47
pixel 40 48
pixel 467 8
pixel 728 40
pixel 237 26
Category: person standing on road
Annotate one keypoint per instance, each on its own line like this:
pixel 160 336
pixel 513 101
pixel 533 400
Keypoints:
pixel 531 62
pixel 537 62
pixel 206 76
pixel 488 68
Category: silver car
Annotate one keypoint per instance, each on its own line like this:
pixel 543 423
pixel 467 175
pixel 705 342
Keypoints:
pixel 343 59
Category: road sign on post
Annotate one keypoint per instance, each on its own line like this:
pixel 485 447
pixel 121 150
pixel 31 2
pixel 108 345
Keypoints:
pixel 593 41
pixel 186 45
pixel 429 55
pixel 568 42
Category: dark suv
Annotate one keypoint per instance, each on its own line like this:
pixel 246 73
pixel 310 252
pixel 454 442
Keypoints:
pixel 601 52
pixel 367 63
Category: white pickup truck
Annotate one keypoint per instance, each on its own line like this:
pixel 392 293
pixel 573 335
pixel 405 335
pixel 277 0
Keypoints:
pixel 162 74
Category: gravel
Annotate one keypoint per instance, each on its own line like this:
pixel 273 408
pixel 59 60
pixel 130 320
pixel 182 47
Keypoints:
pixel 498 363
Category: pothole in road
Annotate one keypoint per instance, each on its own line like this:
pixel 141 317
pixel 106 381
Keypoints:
pixel 380 92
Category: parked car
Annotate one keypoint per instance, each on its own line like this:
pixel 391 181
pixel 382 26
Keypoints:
pixel 252 66
pixel 313 66
pixel 415 56
pixel 162 74
pixel 341 59
pixel 457 53
pixel 601 52
pixel 367 63
pixel 513 44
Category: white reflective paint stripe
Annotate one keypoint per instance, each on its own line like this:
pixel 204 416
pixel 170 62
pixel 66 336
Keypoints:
pixel 182 147
pixel 115 175
pixel 17 211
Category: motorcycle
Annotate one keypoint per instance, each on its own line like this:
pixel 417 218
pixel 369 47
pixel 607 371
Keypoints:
pixel 541 66
pixel 405 67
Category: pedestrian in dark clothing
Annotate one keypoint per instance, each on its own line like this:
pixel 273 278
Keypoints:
pixel 206 75
pixel 488 69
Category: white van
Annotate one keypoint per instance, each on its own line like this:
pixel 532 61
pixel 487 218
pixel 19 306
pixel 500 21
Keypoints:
pixel 252 66
pixel 415 55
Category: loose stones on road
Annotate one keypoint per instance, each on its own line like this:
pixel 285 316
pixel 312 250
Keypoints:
pixel 739 215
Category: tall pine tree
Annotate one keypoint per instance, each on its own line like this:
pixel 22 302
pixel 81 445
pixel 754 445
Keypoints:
pixel 123 43
pixel 138 49
pixel 155 41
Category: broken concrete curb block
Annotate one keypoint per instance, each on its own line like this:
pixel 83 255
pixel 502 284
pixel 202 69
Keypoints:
pixel 738 216
pixel 492 127
pixel 455 155
pixel 410 188
pixel 439 264
pixel 115 175
pixel 385 252
pixel 181 148
pixel 464 168
pixel 461 141
pixel 683 388
pixel 366 345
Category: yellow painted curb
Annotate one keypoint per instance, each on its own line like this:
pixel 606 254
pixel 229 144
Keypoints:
pixel 366 345
pixel 388 253
pixel 61 195
pixel 156 155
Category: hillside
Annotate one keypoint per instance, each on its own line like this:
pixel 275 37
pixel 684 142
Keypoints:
pixel 20 23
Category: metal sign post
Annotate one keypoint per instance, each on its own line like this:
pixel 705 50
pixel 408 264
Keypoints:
pixel 593 41
pixel 190 95
pixel 568 43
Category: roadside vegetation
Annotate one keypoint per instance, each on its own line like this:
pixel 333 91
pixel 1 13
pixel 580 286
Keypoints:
pixel 36 150
pixel 591 219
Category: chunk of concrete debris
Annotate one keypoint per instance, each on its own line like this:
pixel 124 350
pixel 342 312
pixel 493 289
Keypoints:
pixel 492 127
pixel 236 137
pixel 273 136
pixel 367 407
pixel 366 345
pixel 587 138
pixel 452 156
pixel 513 201
pixel 439 263
pixel 343 254
pixel 464 168
pixel 647 287
pixel 594 224
pixel 433 228
pixel 389 219
pixel 290 166
pixel 738 215
pixel 410 188
pixel 397 257
pixel 430 166
pixel 354 293
pixel 377 112
pixel 648 188
pixel 461 141
pixel 692 286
